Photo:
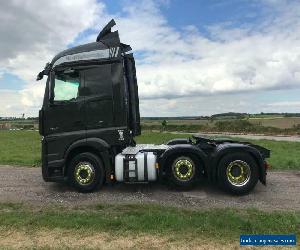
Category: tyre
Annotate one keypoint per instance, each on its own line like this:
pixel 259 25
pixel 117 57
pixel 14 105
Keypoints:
pixel 183 171
pixel 86 172
pixel 238 173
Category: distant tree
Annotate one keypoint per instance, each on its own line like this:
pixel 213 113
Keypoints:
pixel 164 125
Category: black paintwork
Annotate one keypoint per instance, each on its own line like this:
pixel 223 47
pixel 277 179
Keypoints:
pixel 104 117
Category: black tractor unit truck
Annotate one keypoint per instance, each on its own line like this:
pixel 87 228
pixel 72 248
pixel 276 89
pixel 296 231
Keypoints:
pixel 90 116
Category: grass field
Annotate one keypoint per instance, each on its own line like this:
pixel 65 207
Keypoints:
pixel 23 148
pixel 20 148
pixel 151 223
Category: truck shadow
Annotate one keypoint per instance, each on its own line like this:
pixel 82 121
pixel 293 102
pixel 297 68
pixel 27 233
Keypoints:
pixel 204 195
pixel 147 188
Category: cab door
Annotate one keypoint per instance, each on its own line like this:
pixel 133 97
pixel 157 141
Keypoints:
pixel 65 110
pixel 64 120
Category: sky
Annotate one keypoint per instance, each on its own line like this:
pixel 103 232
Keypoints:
pixel 193 57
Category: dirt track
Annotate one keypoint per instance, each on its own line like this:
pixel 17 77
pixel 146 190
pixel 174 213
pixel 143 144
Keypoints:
pixel 21 184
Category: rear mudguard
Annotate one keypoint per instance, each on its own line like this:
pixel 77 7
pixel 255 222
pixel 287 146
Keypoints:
pixel 182 149
pixel 229 148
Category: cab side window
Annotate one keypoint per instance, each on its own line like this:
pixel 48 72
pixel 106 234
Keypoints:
pixel 66 85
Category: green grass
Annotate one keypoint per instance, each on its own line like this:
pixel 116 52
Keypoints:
pixel 23 148
pixel 225 224
pixel 20 148
pixel 284 155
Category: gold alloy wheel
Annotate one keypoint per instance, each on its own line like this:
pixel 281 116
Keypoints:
pixel 84 173
pixel 238 173
pixel 184 169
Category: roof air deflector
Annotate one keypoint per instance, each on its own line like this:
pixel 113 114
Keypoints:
pixel 106 30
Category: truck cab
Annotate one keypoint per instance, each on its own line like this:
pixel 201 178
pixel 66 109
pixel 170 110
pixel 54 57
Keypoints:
pixel 91 97
pixel 90 116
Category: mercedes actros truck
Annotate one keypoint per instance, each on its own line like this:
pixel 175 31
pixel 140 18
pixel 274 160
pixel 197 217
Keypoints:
pixel 90 116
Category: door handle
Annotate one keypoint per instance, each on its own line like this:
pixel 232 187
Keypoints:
pixel 54 128
pixel 78 123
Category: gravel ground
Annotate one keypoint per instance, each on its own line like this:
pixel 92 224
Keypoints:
pixel 23 184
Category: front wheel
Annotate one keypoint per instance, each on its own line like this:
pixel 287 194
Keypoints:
pixel 238 173
pixel 86 172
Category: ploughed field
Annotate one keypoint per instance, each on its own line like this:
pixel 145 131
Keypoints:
pixel 23 148
pixel 266 121
pixel 253 124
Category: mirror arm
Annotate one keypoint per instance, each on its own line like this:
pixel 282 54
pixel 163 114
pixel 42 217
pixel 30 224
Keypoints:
pixel 46 71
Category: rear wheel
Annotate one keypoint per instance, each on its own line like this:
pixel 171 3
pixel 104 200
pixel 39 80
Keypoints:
pixel 86 172
pixel 238 173
pixel 183 171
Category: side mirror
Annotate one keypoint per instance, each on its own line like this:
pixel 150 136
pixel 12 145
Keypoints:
pixel 44 72
pixel 40 76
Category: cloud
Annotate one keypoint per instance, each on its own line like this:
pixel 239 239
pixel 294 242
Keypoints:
pixel 285 104
pixel 40 30
pixel 175 63
pixel 202 105
pixel 180 63
pixel 10 103
pixel 32 32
